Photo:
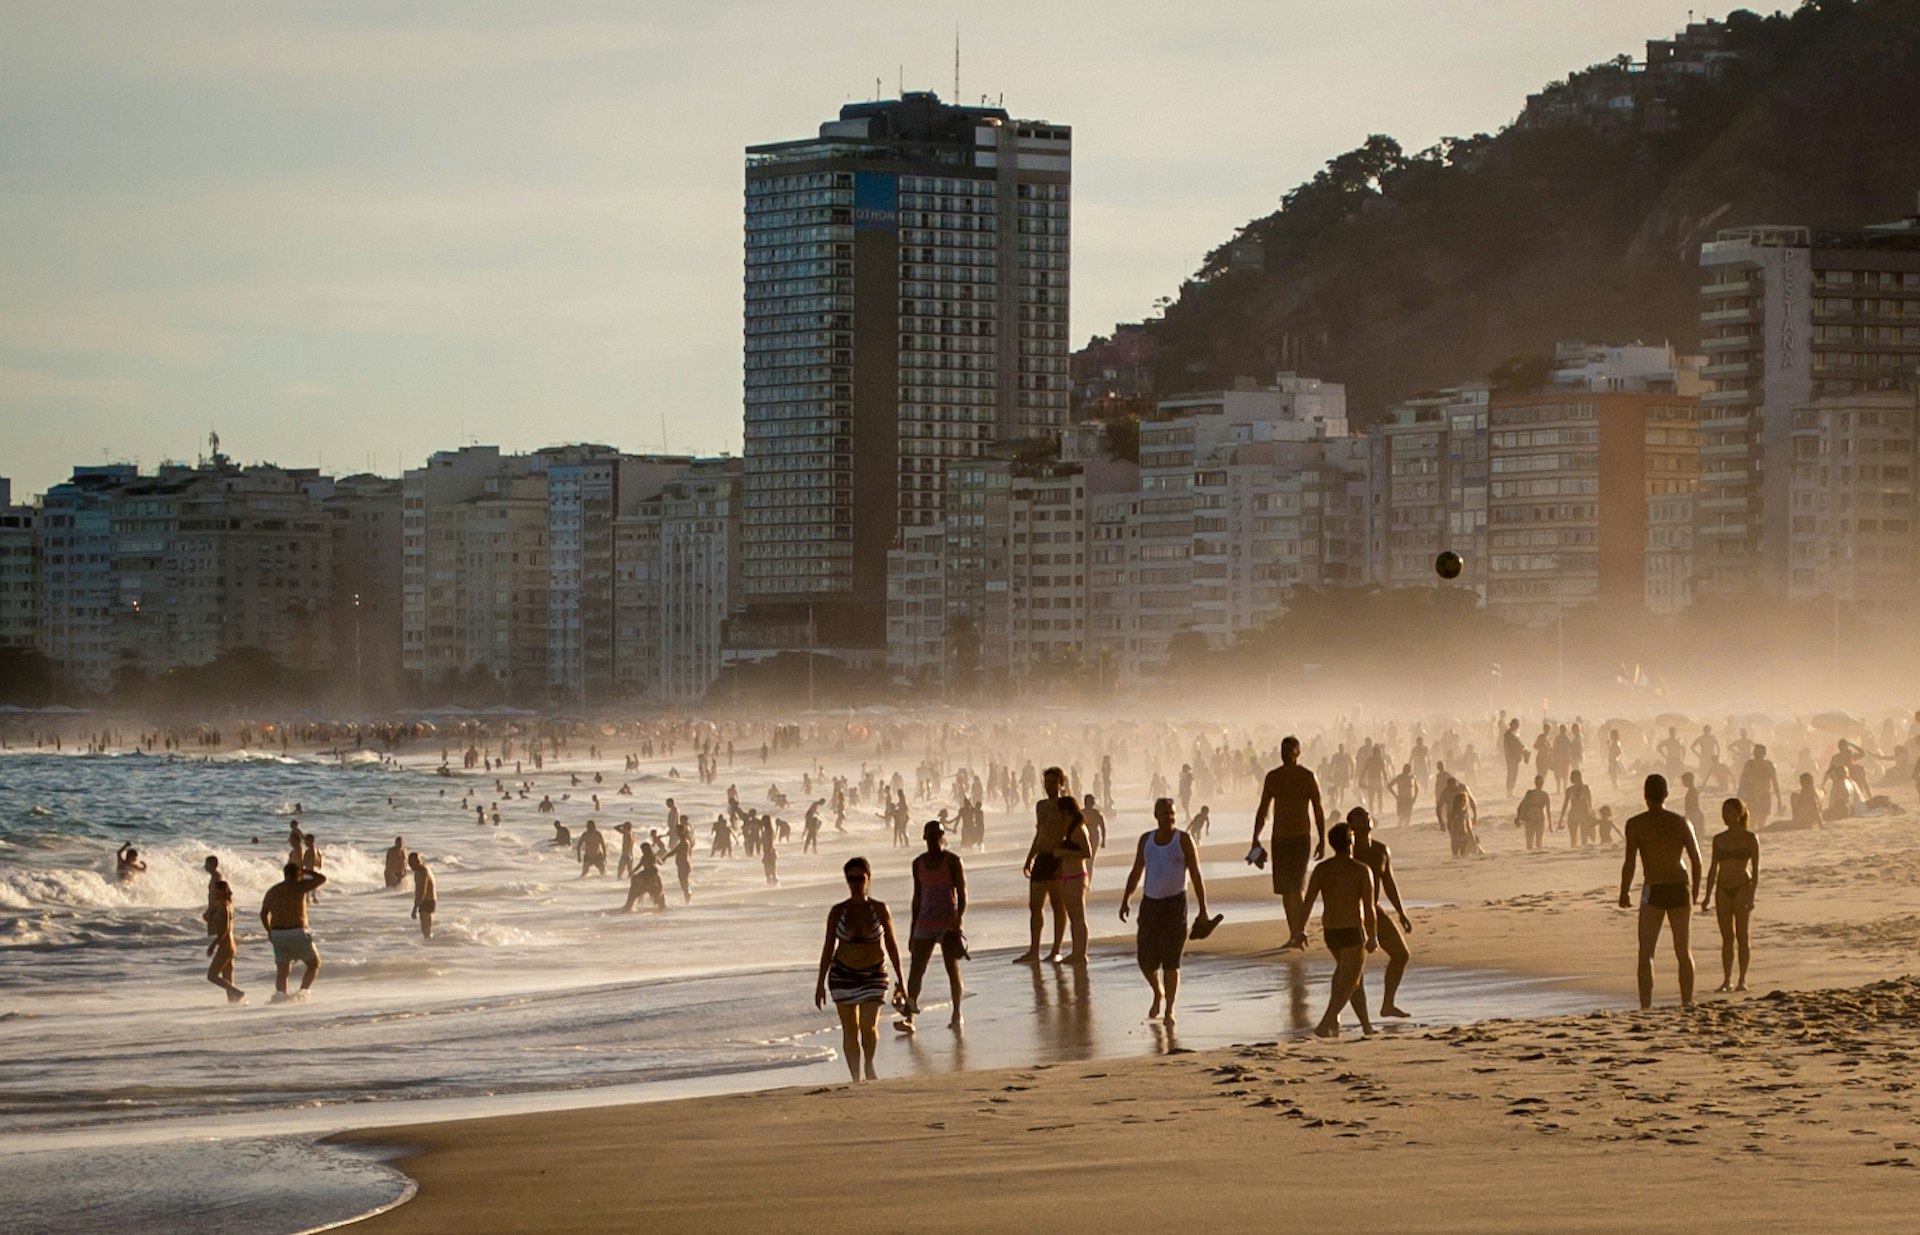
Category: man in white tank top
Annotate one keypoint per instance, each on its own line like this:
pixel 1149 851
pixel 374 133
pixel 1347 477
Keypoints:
pixel 1168 859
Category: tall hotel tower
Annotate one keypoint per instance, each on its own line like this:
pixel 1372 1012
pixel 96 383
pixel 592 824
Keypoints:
pixel 906 305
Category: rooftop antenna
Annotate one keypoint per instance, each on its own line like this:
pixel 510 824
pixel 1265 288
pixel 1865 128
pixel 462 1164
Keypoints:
pixel 956 62
pixel 876 89
pixel 902 79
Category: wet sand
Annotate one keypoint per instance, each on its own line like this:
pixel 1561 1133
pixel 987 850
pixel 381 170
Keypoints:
pixel 1729 1120
pixel 1790 1104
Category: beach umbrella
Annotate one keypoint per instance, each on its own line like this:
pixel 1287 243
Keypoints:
pixel 1842 724
pixel 1632 741
pixel 1673 720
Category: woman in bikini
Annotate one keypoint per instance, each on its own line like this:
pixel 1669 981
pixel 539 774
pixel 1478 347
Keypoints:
pixel 853 967
pixel 220 944
pixel 1733 873
pixel 1076 874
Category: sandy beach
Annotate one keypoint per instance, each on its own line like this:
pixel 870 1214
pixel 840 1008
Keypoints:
pixel 1793 1102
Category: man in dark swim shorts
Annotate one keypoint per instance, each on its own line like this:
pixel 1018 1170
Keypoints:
pixel 1663 844
pixel 1348 923
pixel 1294 795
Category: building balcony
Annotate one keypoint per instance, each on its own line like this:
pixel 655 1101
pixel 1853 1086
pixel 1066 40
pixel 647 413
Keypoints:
pixel 1729 368
pixel 1731 287
pixel 1723 398
pixel 1727 317
pixel 1730 343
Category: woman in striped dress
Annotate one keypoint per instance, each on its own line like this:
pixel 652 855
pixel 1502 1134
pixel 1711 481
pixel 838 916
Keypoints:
pixel 853 967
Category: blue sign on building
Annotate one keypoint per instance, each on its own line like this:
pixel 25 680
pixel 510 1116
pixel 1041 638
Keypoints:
pixel 876 202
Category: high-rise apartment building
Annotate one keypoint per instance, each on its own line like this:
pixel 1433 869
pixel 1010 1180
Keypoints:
pixel 917 601
pixel 1852 500
pixel 588 487
pixel 1230 493
pixel 1429 463
pixel 1787 315
pixel 676 570
pixel 905 304
pixel 636 604
pixel 1570 476
pixel 699 574
pixel 19 571
pixel 364 513
pixel 1670 524
pixel 141 574
pixel 249 565
pixel 77 593
pixel 474 579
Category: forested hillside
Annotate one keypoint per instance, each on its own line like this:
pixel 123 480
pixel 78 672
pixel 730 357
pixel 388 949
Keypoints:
pixel 1397 271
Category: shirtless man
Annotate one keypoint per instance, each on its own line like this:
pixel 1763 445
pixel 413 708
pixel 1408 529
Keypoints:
pixel 127 865
pixel 221 946
pixel 1097 822
pixel 1347 922
pixel 1294 795
pixel 1042 869
pixel 1514 751
pixel 1706 748
pixel 1379 860
pixel 1405 789
pixel 626 850
pixel 424 900
pixel 1535 806
pixel 1760 787
pixel 1661 842
pixel 283 911
pixel 682 855
pixel 1673 752
pixel 397 862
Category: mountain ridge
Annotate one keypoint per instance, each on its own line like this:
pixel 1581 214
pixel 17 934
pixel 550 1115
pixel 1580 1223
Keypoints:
pixel 1396 273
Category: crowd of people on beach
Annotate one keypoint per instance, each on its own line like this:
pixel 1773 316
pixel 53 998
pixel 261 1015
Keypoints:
pixel 1345 870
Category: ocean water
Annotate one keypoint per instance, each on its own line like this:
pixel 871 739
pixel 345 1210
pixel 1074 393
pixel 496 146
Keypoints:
pixel 534 991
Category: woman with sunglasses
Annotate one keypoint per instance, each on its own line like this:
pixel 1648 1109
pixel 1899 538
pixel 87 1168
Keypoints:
pixel 853 967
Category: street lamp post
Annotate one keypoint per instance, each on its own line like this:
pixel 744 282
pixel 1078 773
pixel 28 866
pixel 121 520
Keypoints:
pixel 359 678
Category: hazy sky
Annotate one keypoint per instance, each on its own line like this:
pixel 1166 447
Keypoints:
pixel 353 233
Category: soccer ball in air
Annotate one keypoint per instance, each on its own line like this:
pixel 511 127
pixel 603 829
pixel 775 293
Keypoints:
pixel 1449 565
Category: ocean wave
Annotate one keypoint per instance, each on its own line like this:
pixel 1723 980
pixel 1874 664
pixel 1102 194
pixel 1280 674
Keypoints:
pixel 175 877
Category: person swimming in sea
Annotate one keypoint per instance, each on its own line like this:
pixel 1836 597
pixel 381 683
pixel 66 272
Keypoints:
pixel 127 865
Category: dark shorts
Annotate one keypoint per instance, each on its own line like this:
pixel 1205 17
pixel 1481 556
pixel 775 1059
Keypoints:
pixel 1162 931
pixel 920 947
pixel 292 944
pixel 1289 856
pixel 1342 937
pixel 1665 896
